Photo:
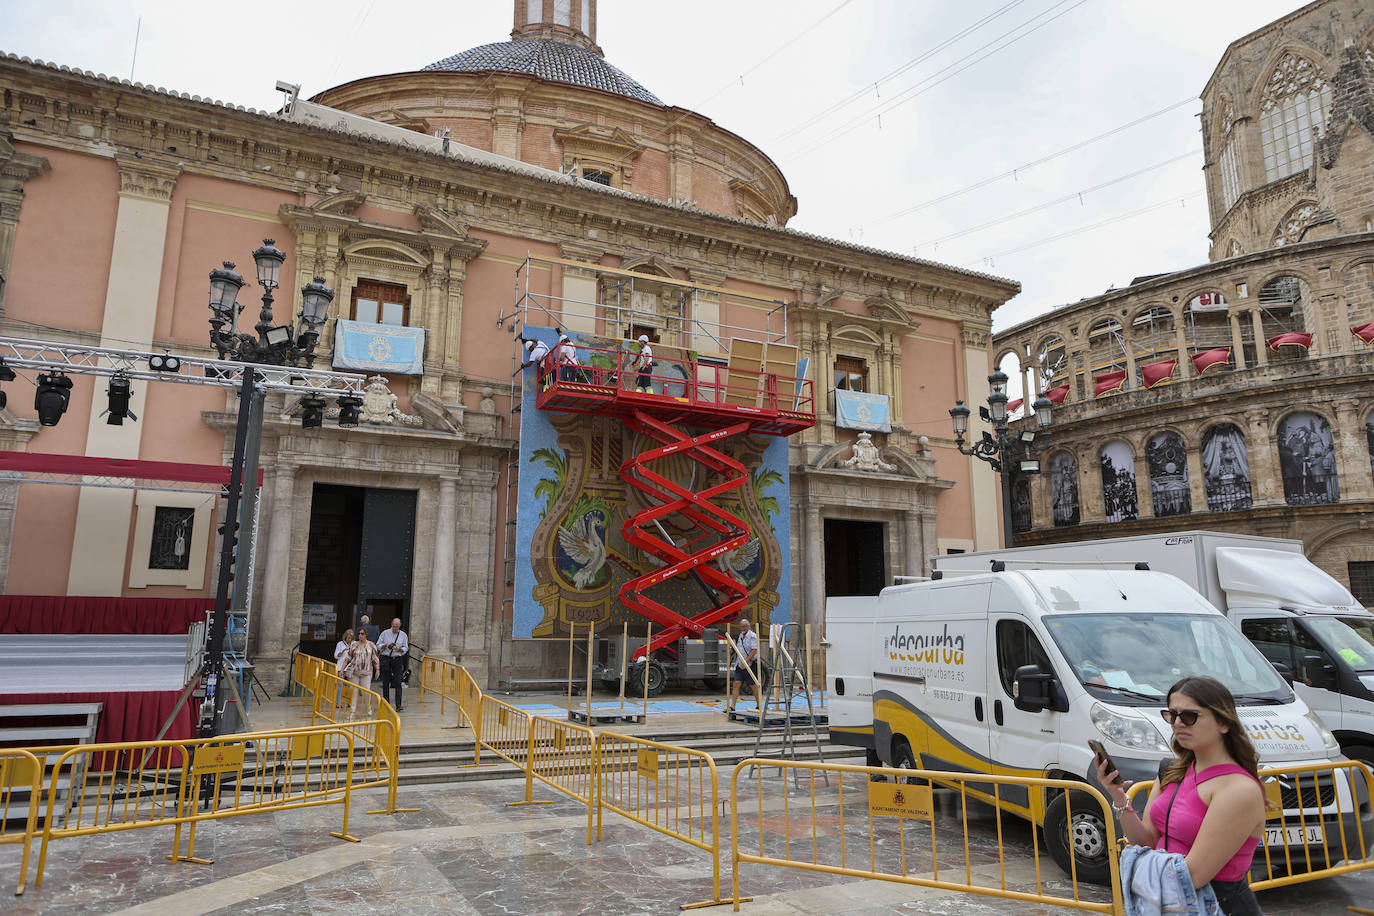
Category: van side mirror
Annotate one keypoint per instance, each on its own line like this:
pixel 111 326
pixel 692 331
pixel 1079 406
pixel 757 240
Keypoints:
pixel 1319 673
pixel 1285 672
pixel 1032 690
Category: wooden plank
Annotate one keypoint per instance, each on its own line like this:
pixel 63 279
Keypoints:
pixel 745 372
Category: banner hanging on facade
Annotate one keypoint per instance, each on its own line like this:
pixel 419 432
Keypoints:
pixel 1364 331
pixel 861 410
pixel 1290 339
pixel 379 348
pixel 1108 381
pixel 1151 374
pixel 1212 359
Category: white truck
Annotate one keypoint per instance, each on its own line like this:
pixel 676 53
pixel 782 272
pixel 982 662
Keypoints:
pixel 1012 672
pixel 1306 623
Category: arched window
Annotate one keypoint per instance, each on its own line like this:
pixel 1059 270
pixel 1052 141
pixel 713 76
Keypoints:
pixel 1226 162
pixel 1119 501
pixel 1021 505
pixel 1226 468
pixel 1295 99
pixel 1307 459
pixel 1168 460
pixel 1064 489
pixel 1053 362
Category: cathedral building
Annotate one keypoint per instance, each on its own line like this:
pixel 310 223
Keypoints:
pixel 1234 395
pixel 517 185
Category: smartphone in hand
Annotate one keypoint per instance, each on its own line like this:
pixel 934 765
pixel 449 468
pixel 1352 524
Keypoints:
pixel 1101 753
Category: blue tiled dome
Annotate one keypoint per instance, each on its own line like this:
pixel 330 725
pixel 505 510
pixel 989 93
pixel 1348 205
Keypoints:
pixel 548 60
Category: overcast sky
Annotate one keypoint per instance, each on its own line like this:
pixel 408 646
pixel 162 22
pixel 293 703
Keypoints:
pixel 873 155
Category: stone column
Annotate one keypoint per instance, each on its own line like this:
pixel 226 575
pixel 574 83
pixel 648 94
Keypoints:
pixel 1197 484
pixel 1352 452
pixel 1261 349
pixel 441 585
pixel 915 548
pixel 470 630
pixel 1090 493
pixel 1185 362
pixel 1237 339
pixel 1266 484
pixel 815 563
pixel 273 606
pixel 1144 499
pixel 1129 348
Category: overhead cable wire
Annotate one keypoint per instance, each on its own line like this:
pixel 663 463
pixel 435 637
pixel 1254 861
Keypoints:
pixel 1050 157
pixel 893 74
pixel 954 69
pixel 1071 196
pixel 1088 228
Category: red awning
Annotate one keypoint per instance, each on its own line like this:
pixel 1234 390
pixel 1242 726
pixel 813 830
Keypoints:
pixel 1290 339
pixel 1108 381
pixel 133 468
pixel 1364 331
pixel 1151 374
pixel 1057 394
pixel 1211 359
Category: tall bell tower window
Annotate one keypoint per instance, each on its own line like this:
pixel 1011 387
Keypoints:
pixel 1295 100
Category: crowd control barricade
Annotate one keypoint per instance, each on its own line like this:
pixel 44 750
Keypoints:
pixel 504 730
pixel 562 755
pixel 373 722
pixel 899 830
pixel 664 787
pixel 130 785
pixel 21 795
pixel 1318 826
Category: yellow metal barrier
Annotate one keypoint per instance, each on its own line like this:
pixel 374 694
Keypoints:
pixel 504 730
pixel 562 755
pixel 21 793
pixel 894 835
pixel 129 785
pixel 1315 828
pixel 372 720
pixel 670 789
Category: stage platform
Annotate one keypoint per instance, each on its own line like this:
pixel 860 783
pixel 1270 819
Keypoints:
pixel 91 663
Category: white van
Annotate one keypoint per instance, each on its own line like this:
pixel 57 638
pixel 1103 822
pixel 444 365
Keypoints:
pixel 1011 672
pixel 1306 623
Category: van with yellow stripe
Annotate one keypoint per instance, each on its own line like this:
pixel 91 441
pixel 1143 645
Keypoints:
pixel 1011 672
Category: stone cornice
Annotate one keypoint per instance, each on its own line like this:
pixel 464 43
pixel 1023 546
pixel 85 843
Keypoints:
pixel 295 159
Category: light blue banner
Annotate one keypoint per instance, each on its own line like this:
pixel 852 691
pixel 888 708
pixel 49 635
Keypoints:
pixel 379 348
pixel 861 410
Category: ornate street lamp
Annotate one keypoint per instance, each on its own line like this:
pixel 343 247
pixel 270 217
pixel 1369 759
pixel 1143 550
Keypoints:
pixel 276 345
pixel 1008 453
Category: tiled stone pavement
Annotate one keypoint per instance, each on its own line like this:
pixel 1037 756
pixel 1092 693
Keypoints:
pixel 467 852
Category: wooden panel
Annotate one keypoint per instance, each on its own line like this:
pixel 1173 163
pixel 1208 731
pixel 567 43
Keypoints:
pixel 746 364
pixel 781 361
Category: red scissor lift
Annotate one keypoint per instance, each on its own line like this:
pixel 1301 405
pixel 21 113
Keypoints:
pixel 712 404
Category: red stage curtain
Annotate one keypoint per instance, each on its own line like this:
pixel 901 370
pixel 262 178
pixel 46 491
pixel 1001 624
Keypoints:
pixel 73 614
pixel 1108 381
pixel 126 716
pixel 1057 394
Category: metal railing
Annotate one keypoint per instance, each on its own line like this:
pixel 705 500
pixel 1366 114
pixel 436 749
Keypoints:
pixel 1319 823
pixel 891 831
pixel 369 717
pixel 21 794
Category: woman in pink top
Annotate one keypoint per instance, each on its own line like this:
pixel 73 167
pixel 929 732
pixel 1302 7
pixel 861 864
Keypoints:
pixel 1207 804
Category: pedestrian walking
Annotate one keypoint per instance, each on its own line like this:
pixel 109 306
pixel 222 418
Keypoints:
pixel 393 646
pixel 363 665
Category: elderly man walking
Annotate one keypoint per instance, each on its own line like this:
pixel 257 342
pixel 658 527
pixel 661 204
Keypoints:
pixel 746 665
pixel 392 646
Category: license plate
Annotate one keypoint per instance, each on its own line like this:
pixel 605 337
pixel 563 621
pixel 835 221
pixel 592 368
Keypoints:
pixel 1293 836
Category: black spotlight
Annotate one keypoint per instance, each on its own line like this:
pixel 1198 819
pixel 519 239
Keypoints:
pixel 6 375
pixel 164 362
pixel 348 410
pixel 119 393
pixel 50 400
pixel 312 412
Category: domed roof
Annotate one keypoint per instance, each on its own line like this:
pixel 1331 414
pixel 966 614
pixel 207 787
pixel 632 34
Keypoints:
pixel 547 60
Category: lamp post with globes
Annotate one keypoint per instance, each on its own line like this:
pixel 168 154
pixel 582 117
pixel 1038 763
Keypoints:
pixel 1007 452
pixel 273 345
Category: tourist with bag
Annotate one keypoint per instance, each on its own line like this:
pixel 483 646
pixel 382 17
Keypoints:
pixel 363 664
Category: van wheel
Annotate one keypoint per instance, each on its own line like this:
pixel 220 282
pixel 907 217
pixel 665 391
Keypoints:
pixel 1361 752
pixel 1086 837
pixel 904 759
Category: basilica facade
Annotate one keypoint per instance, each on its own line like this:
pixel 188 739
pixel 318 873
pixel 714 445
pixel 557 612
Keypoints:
pixel 427 201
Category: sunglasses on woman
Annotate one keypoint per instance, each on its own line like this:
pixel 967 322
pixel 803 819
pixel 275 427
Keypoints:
pixel 1187 716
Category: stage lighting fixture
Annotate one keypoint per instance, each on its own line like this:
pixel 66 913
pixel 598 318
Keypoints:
pixel 348 410
pixel 164 362
pixel 312 412
pixel 50 400
pixel 6 375
pixel 119 393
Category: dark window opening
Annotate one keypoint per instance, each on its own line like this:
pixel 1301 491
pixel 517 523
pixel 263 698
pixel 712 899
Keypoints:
pixel 854 562
pixel 171 544
pixel 1017 646
pixel 1362 581
pixel 375 302
pixel 597 176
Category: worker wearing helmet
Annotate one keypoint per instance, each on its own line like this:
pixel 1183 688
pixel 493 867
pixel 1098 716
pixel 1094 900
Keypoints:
pixel 644 364
pixel 567 359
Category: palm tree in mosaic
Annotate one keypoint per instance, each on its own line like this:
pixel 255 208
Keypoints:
pixel 550 489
